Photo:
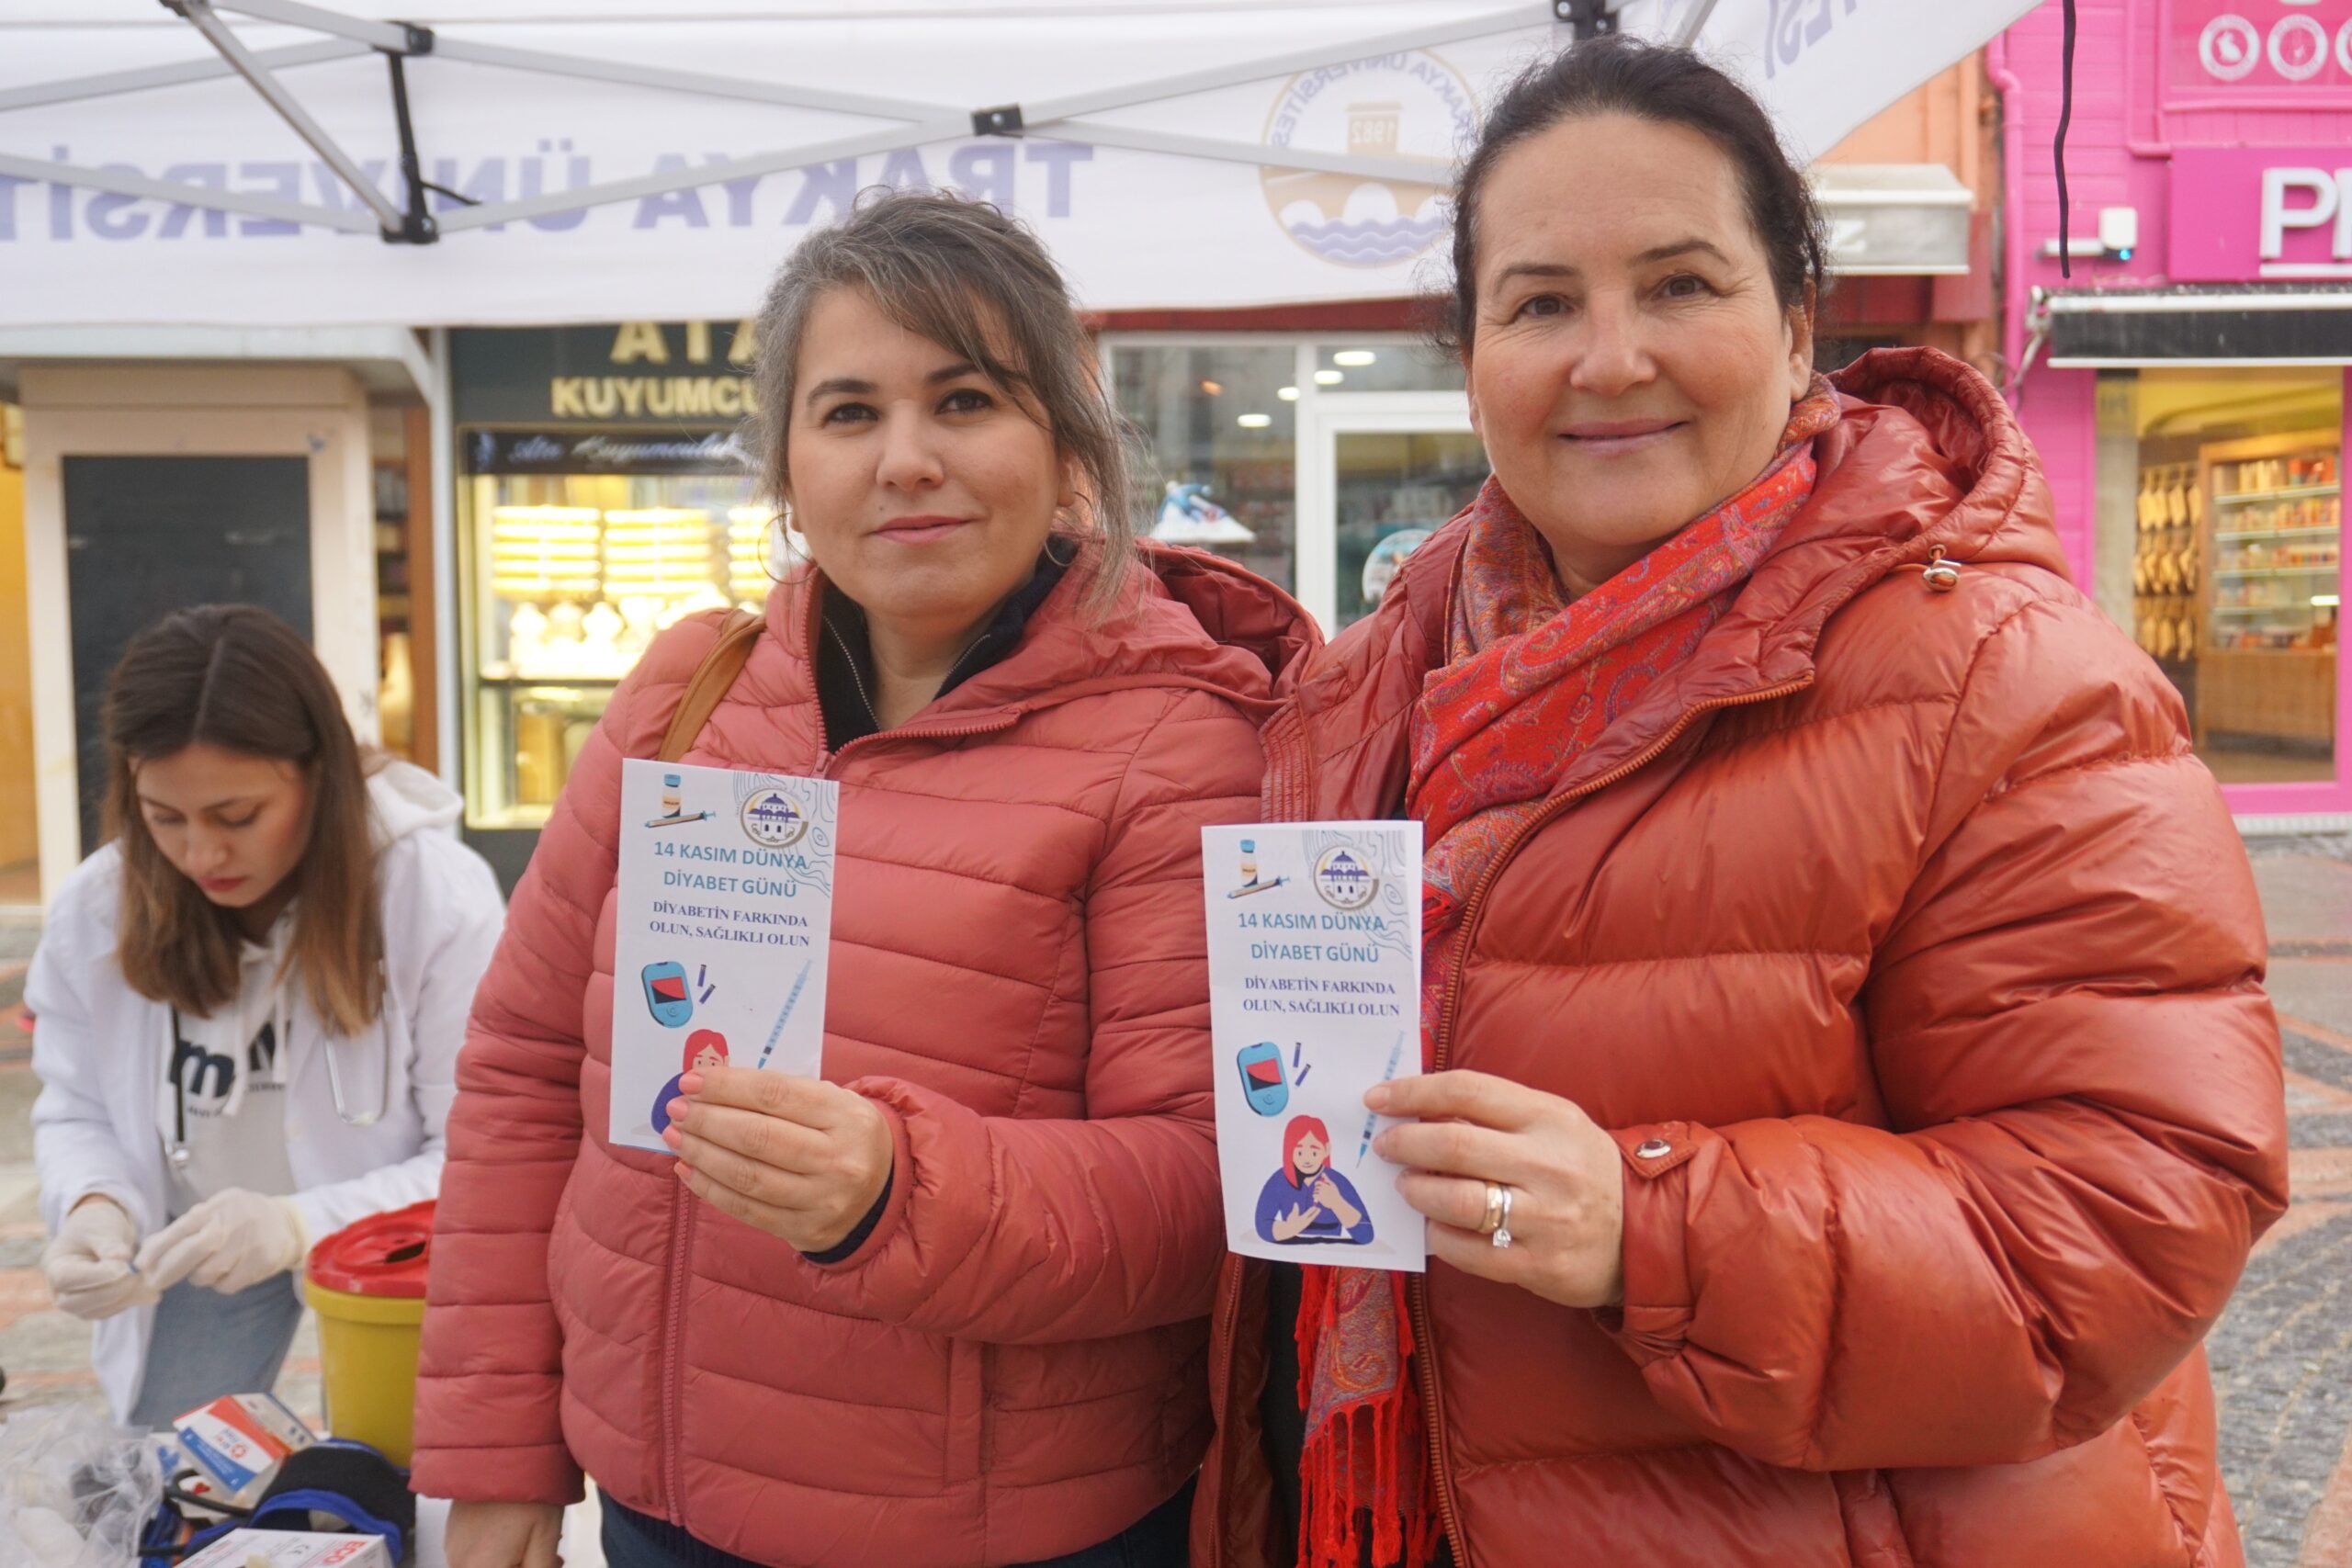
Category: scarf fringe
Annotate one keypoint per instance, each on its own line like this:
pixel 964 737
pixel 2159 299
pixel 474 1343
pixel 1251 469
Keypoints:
pixel 1364 1469
pixel 1530 683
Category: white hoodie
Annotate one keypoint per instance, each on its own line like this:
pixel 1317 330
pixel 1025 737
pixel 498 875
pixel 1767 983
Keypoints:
pixel 103 1052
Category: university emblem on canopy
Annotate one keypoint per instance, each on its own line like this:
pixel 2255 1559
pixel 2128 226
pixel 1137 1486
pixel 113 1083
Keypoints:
pixel 1397 106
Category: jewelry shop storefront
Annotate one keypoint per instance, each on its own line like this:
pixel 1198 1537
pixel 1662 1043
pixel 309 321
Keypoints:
pixel 602 493
pixel 2186 386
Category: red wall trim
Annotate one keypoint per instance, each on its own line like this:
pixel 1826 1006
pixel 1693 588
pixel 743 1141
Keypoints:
pixel 1334 316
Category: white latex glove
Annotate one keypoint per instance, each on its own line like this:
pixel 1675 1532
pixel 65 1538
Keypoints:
pixel 88 1265
pixel 231 1242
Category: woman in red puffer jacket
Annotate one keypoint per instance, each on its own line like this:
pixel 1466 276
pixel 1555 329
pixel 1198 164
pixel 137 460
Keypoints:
pixel 1853 1092
pixel 947 1306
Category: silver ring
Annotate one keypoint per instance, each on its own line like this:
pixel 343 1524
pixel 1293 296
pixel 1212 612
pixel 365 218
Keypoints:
pixel 1502 1232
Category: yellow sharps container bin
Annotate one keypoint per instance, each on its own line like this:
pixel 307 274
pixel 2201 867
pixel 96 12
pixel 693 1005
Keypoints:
pixel 367 1283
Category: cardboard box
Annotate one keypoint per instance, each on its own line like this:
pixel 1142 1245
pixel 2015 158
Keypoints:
pixel 240 1439
pixel 291 1549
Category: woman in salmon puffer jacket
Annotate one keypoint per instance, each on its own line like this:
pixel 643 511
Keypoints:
pixel 1852 1092
pixel 948 1305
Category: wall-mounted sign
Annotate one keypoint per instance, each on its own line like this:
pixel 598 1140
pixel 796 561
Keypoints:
pixel 1903 219
pixel 2246 214
pixel 2259 50
pixel 689 374
pixel 602 452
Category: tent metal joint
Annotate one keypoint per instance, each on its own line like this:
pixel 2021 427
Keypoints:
pixel 1003 120
pixel 417 226
pixel 1590 19
pixel 419 40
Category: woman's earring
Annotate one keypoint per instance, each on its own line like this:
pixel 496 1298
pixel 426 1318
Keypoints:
pixel 790 549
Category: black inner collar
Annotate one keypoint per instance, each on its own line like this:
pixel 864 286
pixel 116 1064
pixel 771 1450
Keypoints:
pixel 846 685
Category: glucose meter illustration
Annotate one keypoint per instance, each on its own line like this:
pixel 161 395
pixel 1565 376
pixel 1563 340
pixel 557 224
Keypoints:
pixel 1262 1083
pixel 668 996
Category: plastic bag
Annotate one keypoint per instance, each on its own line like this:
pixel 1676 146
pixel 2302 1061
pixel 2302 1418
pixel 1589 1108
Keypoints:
pixel 75 1491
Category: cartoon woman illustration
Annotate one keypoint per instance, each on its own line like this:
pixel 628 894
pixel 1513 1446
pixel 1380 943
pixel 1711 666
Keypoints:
pixel 1306 1201
pixel 705 1048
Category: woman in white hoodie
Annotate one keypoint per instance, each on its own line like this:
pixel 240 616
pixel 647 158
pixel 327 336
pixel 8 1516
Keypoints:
pixel 247 1007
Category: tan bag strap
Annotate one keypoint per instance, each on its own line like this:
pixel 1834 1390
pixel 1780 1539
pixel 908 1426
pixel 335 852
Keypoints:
pixel 712 677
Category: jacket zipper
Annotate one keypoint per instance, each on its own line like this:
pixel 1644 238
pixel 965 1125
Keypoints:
pixel 682 1222
pixel 1228 1313
pixel 682 1212
pixel 1417 1285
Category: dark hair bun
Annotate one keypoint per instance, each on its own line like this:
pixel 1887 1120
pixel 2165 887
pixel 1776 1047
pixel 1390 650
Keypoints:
pixel 1626 76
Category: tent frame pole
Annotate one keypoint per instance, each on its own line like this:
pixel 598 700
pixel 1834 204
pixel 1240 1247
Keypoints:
pixel 78 89
pixel 417 227
pixel 216 32
pixel 552 202
pixel 921 123
pixel 1590 19
pixel 36 171
pixel 319 19
pixel 1052 118
pixel 1693 24
pixel 1069 108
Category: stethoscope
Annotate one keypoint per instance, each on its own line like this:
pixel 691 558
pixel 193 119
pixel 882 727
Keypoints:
pixel 175 1144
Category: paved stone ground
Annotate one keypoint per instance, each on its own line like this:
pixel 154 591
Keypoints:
pixel 2282 1354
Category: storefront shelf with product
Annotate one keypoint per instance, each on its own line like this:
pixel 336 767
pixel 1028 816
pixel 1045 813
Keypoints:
pixel 2293 493
pixel 2327 530
pixel 2265 670
pixel 570 575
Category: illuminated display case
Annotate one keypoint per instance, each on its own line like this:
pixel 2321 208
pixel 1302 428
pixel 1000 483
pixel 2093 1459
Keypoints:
pixel 603 492
pixel 571 572
pixel 2229 483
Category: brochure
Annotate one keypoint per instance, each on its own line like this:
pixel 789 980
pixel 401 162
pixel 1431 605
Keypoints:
pixel 1315 976
pixel 725 907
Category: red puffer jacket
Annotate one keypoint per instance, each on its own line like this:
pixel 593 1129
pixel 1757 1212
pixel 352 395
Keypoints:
pixel 1012 1367
pixel 1902 935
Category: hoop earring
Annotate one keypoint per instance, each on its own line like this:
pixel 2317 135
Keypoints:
pixel 795 549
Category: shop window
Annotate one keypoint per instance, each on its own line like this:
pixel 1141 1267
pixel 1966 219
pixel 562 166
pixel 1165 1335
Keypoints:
pixel 396 587
pixel 572 574
pixel 1220 427
pixel 1387 368
pixel 1395 488
pixel 2222 489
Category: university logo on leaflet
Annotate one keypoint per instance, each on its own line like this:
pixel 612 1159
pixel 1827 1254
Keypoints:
pixel 1343 878
pixel 771 819
pixel 1411 108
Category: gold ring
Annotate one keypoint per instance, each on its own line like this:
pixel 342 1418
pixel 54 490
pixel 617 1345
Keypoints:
pixel 1496 1207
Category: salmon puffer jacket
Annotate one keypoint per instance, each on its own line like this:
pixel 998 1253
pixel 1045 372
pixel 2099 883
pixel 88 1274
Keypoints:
pixel 1911 959
pixel 1011 1366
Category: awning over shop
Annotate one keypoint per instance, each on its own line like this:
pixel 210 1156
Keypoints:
pixel 1889 220
pixel 2223 325
pixel 239 162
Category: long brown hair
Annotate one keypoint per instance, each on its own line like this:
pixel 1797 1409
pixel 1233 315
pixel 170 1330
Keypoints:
pixel 237 677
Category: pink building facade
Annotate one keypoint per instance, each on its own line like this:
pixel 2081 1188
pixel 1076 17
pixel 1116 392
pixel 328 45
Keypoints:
pixel 2187 384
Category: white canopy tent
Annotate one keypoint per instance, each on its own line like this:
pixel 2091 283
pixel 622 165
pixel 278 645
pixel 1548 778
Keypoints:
pixel 239 162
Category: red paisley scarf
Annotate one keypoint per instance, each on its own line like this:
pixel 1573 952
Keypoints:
pixel 1530 681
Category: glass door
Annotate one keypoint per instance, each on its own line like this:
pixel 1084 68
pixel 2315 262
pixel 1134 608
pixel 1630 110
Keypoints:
pixel 1381 471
